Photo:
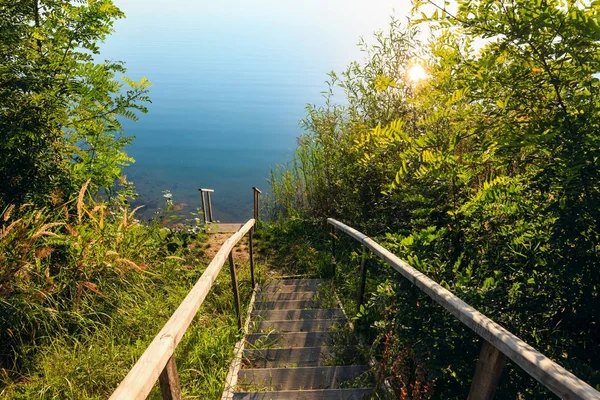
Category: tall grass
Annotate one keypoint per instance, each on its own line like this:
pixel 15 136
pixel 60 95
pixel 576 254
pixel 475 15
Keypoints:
pixel 92 365
pixel 307 186
pixel 84 287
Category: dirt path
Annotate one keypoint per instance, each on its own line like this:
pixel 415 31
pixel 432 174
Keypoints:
pixel 216 240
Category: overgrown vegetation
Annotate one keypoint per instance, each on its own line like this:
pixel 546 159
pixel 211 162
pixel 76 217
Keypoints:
pixel 484 175
pixel 60 106
pixel 84 285
pixel 80 301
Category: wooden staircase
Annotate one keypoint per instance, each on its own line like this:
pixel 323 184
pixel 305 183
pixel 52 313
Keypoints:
pixel 288 349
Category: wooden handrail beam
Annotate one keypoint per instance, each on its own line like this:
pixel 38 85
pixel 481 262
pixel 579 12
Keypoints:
pixel 560 381
pixel 142 377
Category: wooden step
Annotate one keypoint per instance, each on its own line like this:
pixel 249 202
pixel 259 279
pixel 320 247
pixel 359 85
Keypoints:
pixel 286 305
pixel 292 285
pixel 287 357
pixel 223 228
pixel 289 288
pixel 322 394
pixel 265 379
pixel 308 325
pixel 300 281
pixel 295 339
pixel 319 313
pixel 286 296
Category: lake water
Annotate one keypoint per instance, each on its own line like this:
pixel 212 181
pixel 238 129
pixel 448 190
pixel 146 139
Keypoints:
pixel 231 80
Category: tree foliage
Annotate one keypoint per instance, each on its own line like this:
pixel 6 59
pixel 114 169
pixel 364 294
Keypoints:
pixel 59 106
pixel 60 110
pixel 485 176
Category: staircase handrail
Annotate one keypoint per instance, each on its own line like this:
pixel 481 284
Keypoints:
pixel 157 361
pixel 498 342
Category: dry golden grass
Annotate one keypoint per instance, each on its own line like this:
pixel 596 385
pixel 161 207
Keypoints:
pixel 80 199
pixel 6 230
pixel 129 263
pixel 8 212
pixel 43 231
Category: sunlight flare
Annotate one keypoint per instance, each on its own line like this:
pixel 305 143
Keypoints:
pixel 416 73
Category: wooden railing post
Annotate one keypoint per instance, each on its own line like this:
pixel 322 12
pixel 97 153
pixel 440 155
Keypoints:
pixel 251 259
pixel 157 361
pixel 236 292
pixel 207 214
pixel 332 234
pixel 505 345
pixel 203 205
pixel 363 279
pixel 210 216
pixel 256 192
pixel 169 381
pixel 254 207
pixel 487 373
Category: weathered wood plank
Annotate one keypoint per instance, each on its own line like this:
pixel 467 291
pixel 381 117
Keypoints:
pixel 169 381
pixel 295 339
pixel 264 379
pixel 236 290
pixel 487 373
pixel 560 381
pixel 142 377
pixel 223 228
pixel 204 213
pixel 287 305
pixel 300 281
pixel 333 238
pixel 318 313
pixel 363 279
pixel 251 257
pixel 286 357
pixel 209 203
pixel 323 394
pixel 276 296
pixel 236 363
pixel 307 325
pixel 276 288
pixel 257 193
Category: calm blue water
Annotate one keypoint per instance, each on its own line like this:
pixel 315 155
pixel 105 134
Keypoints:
pixel 231 80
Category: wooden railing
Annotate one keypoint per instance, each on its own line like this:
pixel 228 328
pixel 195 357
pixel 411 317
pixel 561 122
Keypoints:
pixel 256 191
pixel 158 361
pixel 207 214
pixel 206 202
pixel 498 343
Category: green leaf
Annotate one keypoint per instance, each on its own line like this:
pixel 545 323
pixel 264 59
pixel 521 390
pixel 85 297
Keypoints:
pixel 488 283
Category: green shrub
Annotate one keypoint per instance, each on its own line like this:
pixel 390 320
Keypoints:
pixel 483 175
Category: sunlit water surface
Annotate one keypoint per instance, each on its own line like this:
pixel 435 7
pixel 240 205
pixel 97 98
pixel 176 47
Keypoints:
pixel 230 83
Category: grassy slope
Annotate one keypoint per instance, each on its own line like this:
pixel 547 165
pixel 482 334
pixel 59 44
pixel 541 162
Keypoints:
pixel 92 366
